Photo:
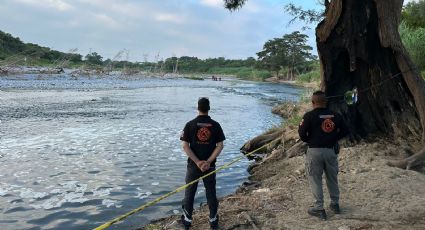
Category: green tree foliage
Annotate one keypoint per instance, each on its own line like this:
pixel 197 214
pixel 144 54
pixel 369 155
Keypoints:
pixel 94 59
pixel 13 47
pixel 290 52
pixel 412 31
pixel 414 41
pixel 414 14
pixel 187 64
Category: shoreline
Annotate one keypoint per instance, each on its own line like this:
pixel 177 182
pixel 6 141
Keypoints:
pixel 308 85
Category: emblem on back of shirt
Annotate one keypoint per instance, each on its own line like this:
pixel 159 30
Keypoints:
pixel 204 134
pixel 328 126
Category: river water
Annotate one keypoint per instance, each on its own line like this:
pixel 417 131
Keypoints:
pixel 75 153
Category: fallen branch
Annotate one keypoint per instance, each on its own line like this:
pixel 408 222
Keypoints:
pixel 250 221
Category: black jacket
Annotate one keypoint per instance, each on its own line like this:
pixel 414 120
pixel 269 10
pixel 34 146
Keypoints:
pixel 322 128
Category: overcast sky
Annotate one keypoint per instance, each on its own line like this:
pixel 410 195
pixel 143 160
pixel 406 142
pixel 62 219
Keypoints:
pixel 201 28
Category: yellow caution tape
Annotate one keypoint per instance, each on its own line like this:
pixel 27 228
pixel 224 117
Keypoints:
pixel 124 216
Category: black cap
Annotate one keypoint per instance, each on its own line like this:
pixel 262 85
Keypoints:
pixel 203 104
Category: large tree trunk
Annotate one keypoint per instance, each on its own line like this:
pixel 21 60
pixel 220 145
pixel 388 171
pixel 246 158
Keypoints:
pixel 360 47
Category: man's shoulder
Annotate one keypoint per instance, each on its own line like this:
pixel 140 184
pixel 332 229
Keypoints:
pixel 309 113
pixel 215 123
pixel 192 122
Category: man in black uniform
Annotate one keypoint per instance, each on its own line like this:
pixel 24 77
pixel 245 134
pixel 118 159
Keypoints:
pixel 321 129
pixel 202 140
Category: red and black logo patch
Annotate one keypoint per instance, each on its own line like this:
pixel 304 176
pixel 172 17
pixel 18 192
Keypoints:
pixel 328 126
pixel 204 134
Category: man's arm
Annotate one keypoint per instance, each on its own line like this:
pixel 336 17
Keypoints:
pixel 304 128
pixel 218 148
pixel 192 155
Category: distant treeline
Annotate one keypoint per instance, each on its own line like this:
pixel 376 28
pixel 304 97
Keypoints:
pixel 288 57
pixel 283 57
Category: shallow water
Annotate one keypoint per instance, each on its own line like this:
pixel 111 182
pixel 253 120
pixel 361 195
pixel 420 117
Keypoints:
pixel 77 153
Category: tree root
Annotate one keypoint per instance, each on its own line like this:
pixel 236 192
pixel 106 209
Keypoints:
pixel 262 140
pixel 409 162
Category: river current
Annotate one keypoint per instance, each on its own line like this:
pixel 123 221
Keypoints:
pixel 75 153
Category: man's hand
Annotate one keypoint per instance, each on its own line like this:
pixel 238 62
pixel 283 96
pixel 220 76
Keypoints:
pixel 206 166
pixel 201 165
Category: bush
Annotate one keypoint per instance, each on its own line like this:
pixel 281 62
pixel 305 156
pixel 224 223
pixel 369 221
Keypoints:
pixel 311 76
pixel 293 121
pixel 423 74
pixel 414 41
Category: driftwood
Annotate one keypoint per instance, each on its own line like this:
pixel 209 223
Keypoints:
pixel 298 149
pixel 262 140
pixel 409 162
pixel 250 221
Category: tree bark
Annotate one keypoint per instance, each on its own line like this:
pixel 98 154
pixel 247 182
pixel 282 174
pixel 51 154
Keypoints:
pixel 359 47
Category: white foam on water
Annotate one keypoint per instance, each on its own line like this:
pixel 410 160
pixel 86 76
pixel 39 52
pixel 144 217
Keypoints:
pixel 81 188
pixel 143 195
pixel 70 184
pixel 55 191
pixel 75 197
pixel 109 203
pixel 176 212
pixel 155 183
pixel 28 193
pixel 49 204
pixel 3 192
pixel 102 192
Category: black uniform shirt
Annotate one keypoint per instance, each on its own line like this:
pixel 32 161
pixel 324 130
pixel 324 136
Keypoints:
pixel 321 128
pixel 202 134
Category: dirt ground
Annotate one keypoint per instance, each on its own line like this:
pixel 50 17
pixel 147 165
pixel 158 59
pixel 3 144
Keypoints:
pixel 373 196
pixel 277 195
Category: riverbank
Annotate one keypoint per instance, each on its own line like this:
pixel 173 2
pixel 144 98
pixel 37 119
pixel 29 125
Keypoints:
pixel 277 195
pixel 305 84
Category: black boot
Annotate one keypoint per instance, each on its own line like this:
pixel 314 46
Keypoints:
pixel 186 223
pixel 214 223
pixel 335 208
pixel 317 213
pixel 186 219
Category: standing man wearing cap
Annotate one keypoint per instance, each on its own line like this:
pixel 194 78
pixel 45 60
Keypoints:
pixel 321 129
pixel 202 140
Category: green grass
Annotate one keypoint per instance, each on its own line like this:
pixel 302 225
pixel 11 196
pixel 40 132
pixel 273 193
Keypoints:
pixel 311 76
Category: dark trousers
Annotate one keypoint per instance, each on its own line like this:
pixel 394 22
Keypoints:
pixel 193 173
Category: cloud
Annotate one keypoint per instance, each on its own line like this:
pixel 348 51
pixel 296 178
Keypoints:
pixel 169 17
pixel 213 3
pixel 54 4
pixel 202 28
pixel 106 20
